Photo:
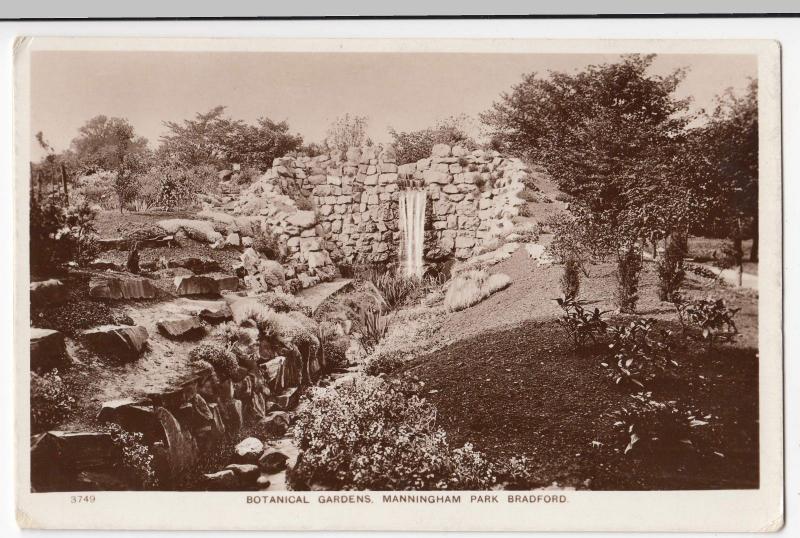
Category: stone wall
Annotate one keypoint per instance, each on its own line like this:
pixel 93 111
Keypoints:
pixel 471 197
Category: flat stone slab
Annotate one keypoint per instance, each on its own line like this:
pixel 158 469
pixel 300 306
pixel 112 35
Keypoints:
pixel 180 328
pixel 48 292
pixel 123 341
pixel 122 288
pixel 47 349
pixel 205 284
pixel 316 295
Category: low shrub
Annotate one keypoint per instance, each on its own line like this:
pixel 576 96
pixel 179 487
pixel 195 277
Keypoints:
pixel 395 288
pixel 629 266
pixel 372 324
pixel 670 271
pixel 135 457
pixel 528 194
pixel 221 358
pixel 647 427
pixel 385 363
pixel 712 318
pixel 334 345
pixel 368 436
pixel 472 287
pixel 268 243
pixel 571 279
pixel 638 355
pixel 581 324
pixel 525 211
pixel 280 301
pixel 59 235
pixel 51 402
pixel 563 197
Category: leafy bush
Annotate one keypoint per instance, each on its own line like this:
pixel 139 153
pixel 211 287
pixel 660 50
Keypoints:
pixel 395 288
pixel 411 146
pixel 280 301
pixel 712 318
pixel 629 266
pixel 385 363
pixel 134 455
pixel 60 235
pixel 637 356
pixel 525 211
pixel 334 345
pixel 51 402
pixel 221 358
pixel 670 271
pixel 571 279
pixel 372 324
pixel 649 427
pixel 268 243
pixel 96 189
pixel 473 287
pixel 581 324
pixel 368 436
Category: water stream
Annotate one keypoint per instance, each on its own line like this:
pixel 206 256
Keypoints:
pixel 412 224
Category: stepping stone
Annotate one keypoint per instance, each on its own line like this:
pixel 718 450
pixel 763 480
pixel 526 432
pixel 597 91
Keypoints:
pixel 275 424
pixel 47 349
pixel 272 461
pixel 222 480
pixel 289 399
pixel 314 296
pixel 249 450
pixel 217 316
pixel 181 328
pixel 118 288
pixel 48 293
pixel 246 473
pixel 105 265
pixel 123 341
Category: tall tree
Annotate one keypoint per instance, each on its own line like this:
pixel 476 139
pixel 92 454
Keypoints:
pixel 730 141
pixel 611 136
pixel 213 139
pixel 111 144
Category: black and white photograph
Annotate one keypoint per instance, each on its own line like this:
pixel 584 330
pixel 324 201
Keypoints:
pixel 335 272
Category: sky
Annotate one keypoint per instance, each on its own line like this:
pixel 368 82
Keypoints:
pixel 406 91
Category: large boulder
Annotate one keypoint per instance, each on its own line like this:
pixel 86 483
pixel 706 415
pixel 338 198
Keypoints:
pixel 122 341
pixel 249 450
pixel 215 316
pixel 47 349
pixel 181 328
pixel 246 473
pixel 225 480
pixel 122 288
pixel 275 424
pixel 199 230
pixel 272 273
pixel 48 293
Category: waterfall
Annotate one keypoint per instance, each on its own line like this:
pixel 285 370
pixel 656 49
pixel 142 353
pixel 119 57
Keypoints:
pixel 412 224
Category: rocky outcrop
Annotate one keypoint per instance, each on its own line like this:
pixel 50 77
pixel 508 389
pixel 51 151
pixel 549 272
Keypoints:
pixel 47 349
pixel 123 342
pixel 122 288
pixel 199 230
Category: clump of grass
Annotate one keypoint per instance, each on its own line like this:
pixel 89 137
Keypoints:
pixel 472 287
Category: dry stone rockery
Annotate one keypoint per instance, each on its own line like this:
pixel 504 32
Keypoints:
pixel 471 197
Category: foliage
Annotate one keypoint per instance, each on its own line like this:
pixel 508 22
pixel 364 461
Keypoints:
pixel 472 287
pixel 411 146
pixel 51 402
pixel 111 144
pixel 135 456
pixel 395 288
pixel 215 140
pixel 268 243
pixel 221 358
pixel 334 344
pixel 96 189
pixel 670 271
pixel 368 436
pixel 172 185
pixel 280 301
pixel 372 324
pixel 629 266
pixel 713 318
pixel 346 132
pixel 385 362
pixel 637 356
pixel 571 279
pixel 649 427
pixel 60 235
pixel 729 142
pixel 581 324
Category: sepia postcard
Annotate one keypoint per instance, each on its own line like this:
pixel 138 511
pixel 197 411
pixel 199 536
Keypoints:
pixel 392 284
